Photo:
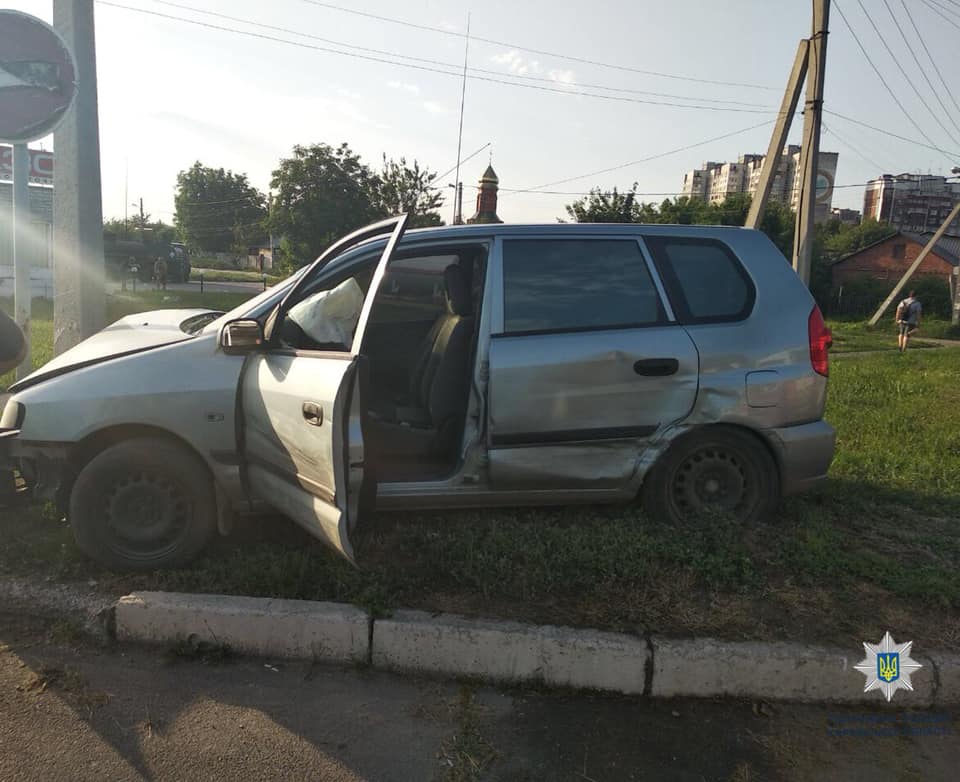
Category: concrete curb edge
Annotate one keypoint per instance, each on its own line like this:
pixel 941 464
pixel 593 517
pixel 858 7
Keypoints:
pixel 513 652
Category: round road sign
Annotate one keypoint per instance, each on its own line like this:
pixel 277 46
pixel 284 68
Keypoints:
pixel 37 77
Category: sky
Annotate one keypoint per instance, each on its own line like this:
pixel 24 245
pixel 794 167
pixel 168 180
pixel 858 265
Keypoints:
pixel 171 92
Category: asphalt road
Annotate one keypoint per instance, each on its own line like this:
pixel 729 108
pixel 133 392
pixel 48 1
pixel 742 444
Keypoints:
pixel 72 710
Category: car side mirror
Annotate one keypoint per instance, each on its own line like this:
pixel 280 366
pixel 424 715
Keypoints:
pixel 241 336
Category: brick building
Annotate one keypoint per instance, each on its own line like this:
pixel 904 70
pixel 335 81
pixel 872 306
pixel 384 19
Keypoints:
pixel 889 258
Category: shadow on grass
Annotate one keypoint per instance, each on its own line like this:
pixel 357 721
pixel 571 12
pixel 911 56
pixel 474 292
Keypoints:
pixel 827 566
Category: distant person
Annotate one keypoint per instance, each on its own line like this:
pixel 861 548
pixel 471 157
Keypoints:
pixel 13 345
pixel 160 273
pixel 908 319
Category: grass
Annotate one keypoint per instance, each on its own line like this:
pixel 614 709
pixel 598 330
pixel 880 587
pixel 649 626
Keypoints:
pixel 117 306
pixel 877 549
pixel 850 336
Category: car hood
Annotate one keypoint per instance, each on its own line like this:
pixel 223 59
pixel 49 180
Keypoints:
pixel 132 334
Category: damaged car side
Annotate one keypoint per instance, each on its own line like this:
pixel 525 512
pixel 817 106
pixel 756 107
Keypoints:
pixel 464 366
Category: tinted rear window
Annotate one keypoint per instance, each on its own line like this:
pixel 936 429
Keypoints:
pixel 704 279
pixel 575 285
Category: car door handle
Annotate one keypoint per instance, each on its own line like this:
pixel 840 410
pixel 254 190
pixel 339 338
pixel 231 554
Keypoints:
pixel 312 413
pixel 656 367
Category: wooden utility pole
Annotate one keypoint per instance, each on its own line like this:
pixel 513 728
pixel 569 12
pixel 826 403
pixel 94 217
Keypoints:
pixel 954 213
pixel 810 147
pixel 772 161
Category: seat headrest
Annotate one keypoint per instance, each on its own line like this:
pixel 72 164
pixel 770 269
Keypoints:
pixel 458 290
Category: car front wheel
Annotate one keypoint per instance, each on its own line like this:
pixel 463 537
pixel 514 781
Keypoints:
pixel 143 504
pixel 716 471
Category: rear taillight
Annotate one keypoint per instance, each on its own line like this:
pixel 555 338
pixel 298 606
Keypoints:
pixel 820 341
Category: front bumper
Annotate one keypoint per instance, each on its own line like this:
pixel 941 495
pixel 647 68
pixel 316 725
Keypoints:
pixel 804 454
pixel 12 486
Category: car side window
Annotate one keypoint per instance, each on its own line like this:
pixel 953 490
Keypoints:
pixel 557 285
pixel 705 281
pixel 413 289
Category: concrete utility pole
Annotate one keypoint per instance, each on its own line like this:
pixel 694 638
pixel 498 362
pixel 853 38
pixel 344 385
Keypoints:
pixel 78 309
pixel 22 287
pixel 772 161
pixel 810 148
pixel 954 213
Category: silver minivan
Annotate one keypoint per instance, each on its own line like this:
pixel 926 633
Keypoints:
pixel 482 365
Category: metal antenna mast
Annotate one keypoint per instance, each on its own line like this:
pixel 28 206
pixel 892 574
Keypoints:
pixel 463 97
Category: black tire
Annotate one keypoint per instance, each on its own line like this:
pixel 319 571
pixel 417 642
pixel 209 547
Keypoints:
pixel 143 504
pixel 711 472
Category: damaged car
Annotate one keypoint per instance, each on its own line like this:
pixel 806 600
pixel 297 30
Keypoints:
pixel 465 366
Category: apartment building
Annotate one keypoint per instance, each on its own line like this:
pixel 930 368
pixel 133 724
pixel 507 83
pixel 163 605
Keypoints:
pixel 912 202
pixel 715 182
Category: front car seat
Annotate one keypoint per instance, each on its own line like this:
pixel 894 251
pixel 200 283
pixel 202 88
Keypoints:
pixel 428 420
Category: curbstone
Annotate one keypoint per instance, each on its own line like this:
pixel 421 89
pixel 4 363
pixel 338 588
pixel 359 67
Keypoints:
pixel 262 626
pixel 510 652
pixel 707 667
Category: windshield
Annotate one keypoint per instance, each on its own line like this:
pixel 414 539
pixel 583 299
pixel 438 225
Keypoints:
pixel 259 304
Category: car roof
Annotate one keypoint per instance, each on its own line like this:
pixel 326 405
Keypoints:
pixel 449 233
pixel 457 231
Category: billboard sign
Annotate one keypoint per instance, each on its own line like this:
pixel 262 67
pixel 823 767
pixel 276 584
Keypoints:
pixel 37 78
pixel 41 166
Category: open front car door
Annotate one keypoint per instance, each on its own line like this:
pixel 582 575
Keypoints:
pixel 301 397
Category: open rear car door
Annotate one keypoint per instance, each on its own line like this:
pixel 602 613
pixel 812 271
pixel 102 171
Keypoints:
pixel 300 420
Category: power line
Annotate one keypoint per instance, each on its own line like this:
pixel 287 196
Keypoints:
pixel 542 52
pixel 923 71
pixel 901 68
pixel 649 158
pixel 876 166
pixel 464 160
pixel 932 61
pixel 452 65
pixel 609 191
pixel 242 199
pixel 937 10
pixel 263 36
pixel 948 8
pixel 884 82
pixel 949 155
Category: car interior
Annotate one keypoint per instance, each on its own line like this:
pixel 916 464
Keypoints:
pixel 420 344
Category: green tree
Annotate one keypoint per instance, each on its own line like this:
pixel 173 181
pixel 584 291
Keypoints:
pixel 155 231
pixel 322 193
pixel 840 239
pixel 218 210
pixel 402 188
pixel 606 207
pixel 615 207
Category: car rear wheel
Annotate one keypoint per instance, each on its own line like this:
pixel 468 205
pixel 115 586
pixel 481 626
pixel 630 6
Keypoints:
pixel 716 471
pixel 143 504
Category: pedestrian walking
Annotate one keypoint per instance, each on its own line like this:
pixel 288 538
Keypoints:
pixel 160 272
pixel 908 319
